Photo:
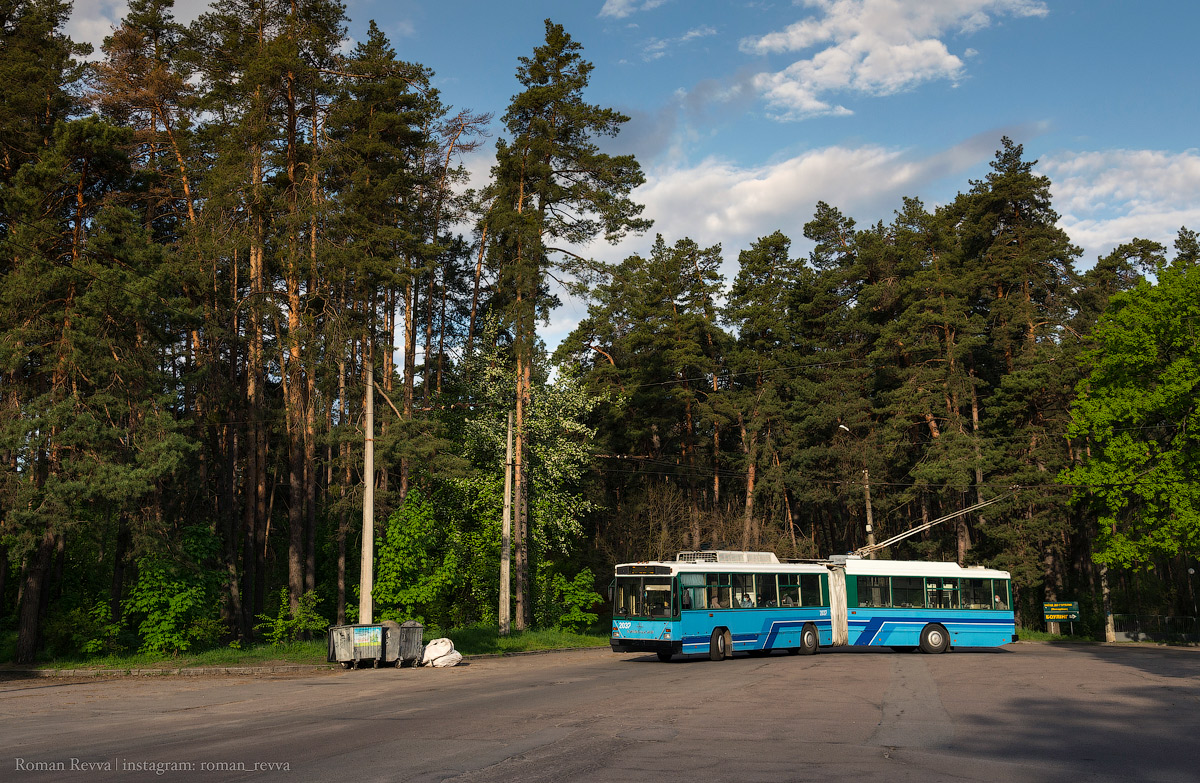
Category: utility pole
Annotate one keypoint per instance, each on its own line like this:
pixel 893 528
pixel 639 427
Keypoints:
pixel 870 528
pixel 506 534
pixel 367 563
pixel 1110 628
pixel 867 495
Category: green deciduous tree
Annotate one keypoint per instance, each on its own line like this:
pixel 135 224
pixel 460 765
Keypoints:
pixel 1136 413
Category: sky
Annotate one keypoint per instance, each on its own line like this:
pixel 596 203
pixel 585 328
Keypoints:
pixel 745 113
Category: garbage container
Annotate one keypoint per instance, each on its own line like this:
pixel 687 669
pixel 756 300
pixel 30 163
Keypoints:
pixel 409 638
pixel 349 644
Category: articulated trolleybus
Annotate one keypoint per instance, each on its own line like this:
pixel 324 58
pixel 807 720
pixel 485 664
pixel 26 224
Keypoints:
pixel 721 602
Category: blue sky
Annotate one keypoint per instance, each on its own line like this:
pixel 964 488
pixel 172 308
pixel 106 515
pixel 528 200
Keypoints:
pixel 746 112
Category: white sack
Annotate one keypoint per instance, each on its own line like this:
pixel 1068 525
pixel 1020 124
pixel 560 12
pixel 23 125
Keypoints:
pixel 436 649
pixel 449 659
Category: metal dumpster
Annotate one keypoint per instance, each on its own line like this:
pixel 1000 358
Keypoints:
pixel 408 642
pixel 350 644
pixel 386 642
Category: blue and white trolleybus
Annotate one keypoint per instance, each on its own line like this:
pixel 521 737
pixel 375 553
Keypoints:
pixel 721 602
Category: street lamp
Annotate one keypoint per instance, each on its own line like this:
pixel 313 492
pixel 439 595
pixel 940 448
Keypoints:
pixel 867 496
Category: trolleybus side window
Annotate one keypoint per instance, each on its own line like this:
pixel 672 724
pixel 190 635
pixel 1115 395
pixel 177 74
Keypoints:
pixel 1002 588
pixel 743 591
pixel 692 587
pixel 789 589
pixel 767 594
pixel 908 592
pixel 977 594
pixel 810 590
pixel 718 591
pixel 873 591
pixel 941 592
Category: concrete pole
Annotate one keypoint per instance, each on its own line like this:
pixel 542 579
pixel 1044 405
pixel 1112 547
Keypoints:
pixel 1110 628
pixel 506 535
pixel 366 582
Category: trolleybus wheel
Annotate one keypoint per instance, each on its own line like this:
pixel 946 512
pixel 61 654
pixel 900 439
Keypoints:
pixel 664 655
pixel 934 639
pixel 810 642
pixel 716 645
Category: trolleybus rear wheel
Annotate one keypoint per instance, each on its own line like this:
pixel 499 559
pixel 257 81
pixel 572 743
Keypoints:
pixel 664 655
pixel 810 642
pixel 716 645
pixel 934 639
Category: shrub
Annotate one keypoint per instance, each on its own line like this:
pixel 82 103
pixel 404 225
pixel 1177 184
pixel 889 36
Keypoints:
pixel 570 600
pixel 284 627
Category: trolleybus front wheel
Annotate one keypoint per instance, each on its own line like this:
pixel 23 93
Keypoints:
pixel 664 655
pixel 716 645
pixel 810 642
pixel 934 639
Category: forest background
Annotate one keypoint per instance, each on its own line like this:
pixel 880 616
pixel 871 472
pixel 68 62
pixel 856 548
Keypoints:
pixel 215 236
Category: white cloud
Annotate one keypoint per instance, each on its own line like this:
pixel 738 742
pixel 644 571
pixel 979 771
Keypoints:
pixel 720 201
pixel 873 47
pixel 93 20
pixel 1108 197
pixel 657 47
pixel 619 9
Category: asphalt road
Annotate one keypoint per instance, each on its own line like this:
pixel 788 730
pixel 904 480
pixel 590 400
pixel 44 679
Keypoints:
pixel 1026 712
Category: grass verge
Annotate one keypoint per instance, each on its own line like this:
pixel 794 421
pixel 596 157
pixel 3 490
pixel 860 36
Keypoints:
pixel 297 653
pixel 476 640
pixel 486 640
pixel 1042 636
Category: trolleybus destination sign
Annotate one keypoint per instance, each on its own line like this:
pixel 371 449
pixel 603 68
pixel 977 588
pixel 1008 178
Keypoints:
pixel 1061 612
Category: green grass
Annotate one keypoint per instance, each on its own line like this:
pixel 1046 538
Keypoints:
pixel 483 640
pixel 1030 635
pixel 298 653
pixel 476 640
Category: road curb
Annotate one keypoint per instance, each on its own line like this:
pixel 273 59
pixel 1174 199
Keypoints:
pixel 198 671
pixel 485 656
pixel 1116 645
pixel 245 671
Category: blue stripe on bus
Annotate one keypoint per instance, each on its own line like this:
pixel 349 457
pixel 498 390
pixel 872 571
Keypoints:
pixel 770 629
pixel 873 627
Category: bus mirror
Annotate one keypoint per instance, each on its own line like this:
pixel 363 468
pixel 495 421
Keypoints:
pixel 611 590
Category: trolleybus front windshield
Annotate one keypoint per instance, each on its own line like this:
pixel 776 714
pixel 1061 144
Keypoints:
pixel 643 596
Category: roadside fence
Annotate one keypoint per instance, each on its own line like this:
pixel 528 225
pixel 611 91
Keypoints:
pixel 1155 628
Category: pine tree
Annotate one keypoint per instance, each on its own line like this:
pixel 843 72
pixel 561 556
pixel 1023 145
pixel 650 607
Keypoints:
pixel 80 309
pixel 651 343
pixel 757 310
pixel 552 184
pixel 40 74
pixel 1023 266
